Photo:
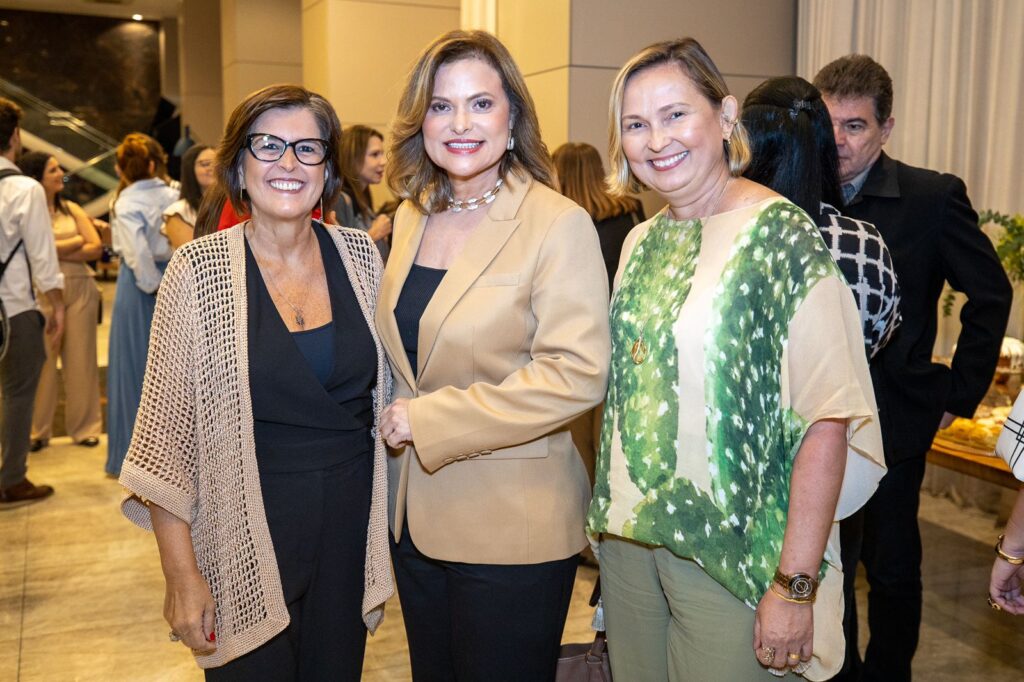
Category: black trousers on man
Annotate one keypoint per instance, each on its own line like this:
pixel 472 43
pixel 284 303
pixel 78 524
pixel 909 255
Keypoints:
pixel 19 377
pixel 470 622
pixel 885 536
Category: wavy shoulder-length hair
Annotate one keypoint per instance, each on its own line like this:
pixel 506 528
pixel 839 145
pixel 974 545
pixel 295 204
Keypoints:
pixel 411 173
pixel 695 64
pixel 581 178
pixel 235 143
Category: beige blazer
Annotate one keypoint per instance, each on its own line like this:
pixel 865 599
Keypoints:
pixel 513 345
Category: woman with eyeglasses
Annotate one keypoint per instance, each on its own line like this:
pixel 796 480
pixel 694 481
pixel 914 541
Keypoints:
pixel 269 511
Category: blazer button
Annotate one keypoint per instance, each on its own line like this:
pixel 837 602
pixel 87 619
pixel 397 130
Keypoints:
pixel 448 460
pixel 485 452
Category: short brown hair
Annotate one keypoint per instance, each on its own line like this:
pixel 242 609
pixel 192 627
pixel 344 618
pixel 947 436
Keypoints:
pixel 857 75
pixel 234 143
pixel 581 178
pixel 411 173
pixel 10 119
pixel 351 155
pixel 695 64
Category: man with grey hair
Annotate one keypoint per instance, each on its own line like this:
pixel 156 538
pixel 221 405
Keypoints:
pixel 933 234
pixel 27 253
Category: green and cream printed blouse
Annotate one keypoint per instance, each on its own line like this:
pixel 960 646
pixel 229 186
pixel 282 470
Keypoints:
pixel 752 336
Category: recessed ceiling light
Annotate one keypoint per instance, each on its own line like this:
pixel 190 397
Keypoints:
pixel 137 17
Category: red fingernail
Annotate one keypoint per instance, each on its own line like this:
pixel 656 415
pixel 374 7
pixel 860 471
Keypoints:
pixel 213 637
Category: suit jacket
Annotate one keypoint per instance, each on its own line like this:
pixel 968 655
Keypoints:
pixel 513 345
pixel 933 236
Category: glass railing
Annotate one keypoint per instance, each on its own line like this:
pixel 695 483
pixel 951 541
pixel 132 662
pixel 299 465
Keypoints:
pixel 86 153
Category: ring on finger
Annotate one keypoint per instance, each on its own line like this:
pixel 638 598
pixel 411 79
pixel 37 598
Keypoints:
pixel 767 655
pixel 994 605
pixel 173 636
pixel 793 658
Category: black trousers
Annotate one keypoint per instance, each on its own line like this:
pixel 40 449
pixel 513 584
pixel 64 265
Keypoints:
pixel 19 377
pixel 318 525
pixel 884 535
pixel 482 622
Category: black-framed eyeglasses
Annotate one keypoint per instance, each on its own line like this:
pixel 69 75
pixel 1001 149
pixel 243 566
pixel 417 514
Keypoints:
pixel 309 152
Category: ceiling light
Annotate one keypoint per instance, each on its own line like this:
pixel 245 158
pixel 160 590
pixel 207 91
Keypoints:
pixel 137 17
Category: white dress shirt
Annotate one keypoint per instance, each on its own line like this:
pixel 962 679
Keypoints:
pixel 23 215
pixel 135 229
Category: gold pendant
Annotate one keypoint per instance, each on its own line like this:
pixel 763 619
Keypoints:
pixel 639 351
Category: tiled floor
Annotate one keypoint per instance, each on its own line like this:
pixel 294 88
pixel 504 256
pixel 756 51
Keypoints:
pixel 81 592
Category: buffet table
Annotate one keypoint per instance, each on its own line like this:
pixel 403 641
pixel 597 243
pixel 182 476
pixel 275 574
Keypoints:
pixel 966 460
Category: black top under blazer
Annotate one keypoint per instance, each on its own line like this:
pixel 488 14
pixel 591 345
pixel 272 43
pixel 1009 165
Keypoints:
pixel 933 235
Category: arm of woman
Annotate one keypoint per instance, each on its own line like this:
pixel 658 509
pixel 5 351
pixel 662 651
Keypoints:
pixel 1005 587
pixel 177 231
pixel 814 492
pixel 66 248
pixel 567 375
pixel 90 247
pixel 188 602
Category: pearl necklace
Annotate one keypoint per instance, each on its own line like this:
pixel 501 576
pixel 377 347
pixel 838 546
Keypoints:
pixel 457 205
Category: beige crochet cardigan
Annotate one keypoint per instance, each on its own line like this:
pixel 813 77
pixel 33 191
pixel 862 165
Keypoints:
pixel 193 451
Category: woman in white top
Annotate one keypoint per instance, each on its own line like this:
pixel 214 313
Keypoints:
pixel 77 243
pixel 197 174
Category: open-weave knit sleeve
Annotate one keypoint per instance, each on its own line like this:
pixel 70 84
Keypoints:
pixel 363 263
pixel 160 466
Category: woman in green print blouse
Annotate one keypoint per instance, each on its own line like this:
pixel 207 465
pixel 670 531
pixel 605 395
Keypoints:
pixel 738 381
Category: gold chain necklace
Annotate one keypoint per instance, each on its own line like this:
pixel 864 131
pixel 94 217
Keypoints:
pixel 300 319
pixel 640 351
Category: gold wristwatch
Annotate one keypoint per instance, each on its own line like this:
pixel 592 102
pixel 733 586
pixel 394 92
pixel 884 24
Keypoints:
pixel 800 588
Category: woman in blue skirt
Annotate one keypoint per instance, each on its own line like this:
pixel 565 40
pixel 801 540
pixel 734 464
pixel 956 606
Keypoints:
pixel 144 252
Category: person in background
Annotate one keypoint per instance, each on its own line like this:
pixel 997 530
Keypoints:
pixel 28 254
pixel 738 385
pixel 135 229
pixel 494 314
pixel 933 235
pixel 77 244
pixel 270 510
pixel 197 175
pixel 362 165
pixel 794 153
pixel 581 178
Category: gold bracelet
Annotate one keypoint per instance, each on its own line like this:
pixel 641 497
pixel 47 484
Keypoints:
pixel 809 600
pixel 1008 558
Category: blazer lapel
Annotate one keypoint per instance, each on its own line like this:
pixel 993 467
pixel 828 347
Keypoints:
pixel 403 252
pixel 481 248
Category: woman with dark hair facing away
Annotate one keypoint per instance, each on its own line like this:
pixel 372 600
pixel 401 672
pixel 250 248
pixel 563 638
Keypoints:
pixel 197 175
pixel 494 314
pixel 77 243
pixel 580 177
pixel 135 223
pixel 270 510
pixel 362 165
pixel 794 153
pixel 740 420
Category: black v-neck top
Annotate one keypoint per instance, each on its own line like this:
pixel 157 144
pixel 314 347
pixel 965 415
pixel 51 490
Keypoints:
pixel 302 421
pixel 419 288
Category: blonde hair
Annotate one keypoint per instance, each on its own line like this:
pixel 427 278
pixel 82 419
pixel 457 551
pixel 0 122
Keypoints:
pixel 411 173
pixel 695 63
pixel 581 178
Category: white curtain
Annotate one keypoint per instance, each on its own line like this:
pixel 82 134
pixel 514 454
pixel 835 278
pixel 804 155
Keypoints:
pixel 958 80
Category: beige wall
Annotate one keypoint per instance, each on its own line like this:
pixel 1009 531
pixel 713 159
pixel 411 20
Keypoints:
pixel 199 58
pixel 357 53
pixel 261 44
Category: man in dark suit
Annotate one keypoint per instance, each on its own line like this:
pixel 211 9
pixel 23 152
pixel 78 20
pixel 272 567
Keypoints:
pixel 932 232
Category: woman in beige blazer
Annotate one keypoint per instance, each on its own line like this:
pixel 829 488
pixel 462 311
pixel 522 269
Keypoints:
pixel 493 313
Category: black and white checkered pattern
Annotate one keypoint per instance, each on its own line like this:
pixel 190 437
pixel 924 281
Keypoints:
pixel 864 260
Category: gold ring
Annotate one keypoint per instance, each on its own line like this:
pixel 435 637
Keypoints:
pixel 173 636
pixel 993 604
pixel 793 657
pixel 768 656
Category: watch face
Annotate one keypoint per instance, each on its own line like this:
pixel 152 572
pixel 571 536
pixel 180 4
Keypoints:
pixel 801 587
